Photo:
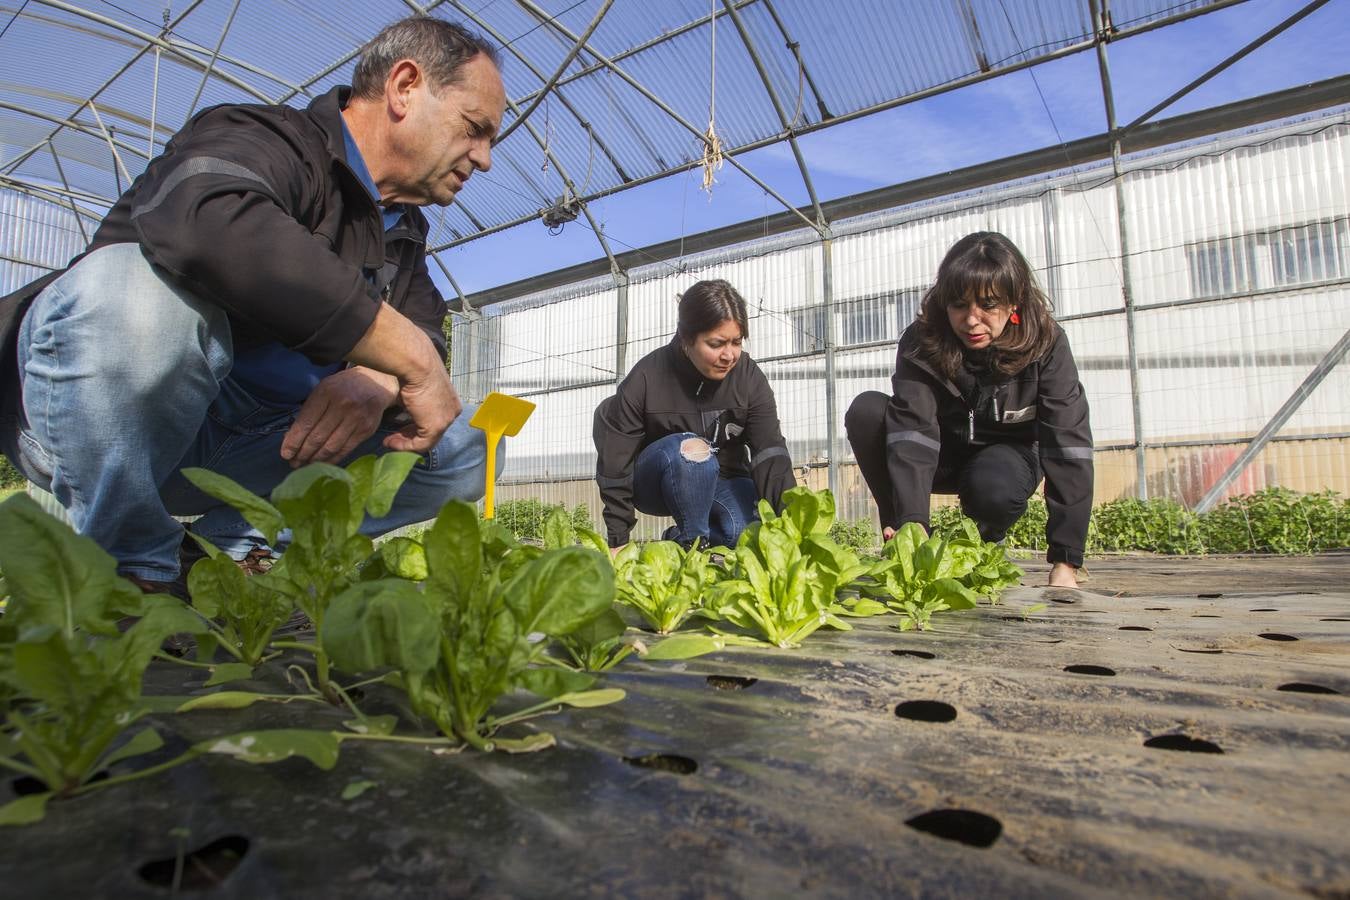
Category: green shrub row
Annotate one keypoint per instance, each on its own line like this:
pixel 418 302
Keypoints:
pixel 1275 520
pixel 9 476
pixel 525 518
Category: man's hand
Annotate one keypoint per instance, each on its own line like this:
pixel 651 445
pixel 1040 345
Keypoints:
pixel 887 533
pixel 433 404
pixel 393 344
pixel 342 411
pixel 1063 575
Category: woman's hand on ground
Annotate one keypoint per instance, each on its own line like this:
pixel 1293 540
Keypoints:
pixel 887 534
pixel 1063 575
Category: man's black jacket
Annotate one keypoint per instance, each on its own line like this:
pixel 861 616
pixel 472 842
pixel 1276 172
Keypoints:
pixel 254 208
pixel 664 394
pixel 1043 405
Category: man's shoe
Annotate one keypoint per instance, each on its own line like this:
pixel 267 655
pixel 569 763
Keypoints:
pixel 179 645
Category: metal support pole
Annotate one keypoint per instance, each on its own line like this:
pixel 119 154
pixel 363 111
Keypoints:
pixel 1246 50
pixel 1102 20
pixel 621 327
pixel 211 63
pixel 777 108
pixel 1315 377
pixel 562 67
pixel 831 342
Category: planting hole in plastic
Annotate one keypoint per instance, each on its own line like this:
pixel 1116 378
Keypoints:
pixel 664 762
pixel 1198 650
pixel 201 869
pixel 1183 743
pixel 962 825
pixel 1089 670
pixel 730 682
pixel 1264 609
pixel 1276 636
pixel 1209 596
pixel 1134 628
pixel 1206 616
pixel 926 711
pixel 1333 620
pixel 1157 609
pixel 918 654
pixel 1303 687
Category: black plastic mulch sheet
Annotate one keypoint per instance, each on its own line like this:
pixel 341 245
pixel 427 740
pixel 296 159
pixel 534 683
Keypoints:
pixel 1147 744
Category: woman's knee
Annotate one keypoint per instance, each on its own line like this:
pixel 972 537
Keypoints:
pixel 865 414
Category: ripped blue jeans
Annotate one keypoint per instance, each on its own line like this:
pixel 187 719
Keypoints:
pixel 679 476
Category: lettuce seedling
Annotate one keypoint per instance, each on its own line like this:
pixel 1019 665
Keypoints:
pixel 776 590
pixel 663 582
pixel 920 575
pixel 463 640
pixel 323 506
pixel 72 678
pixel 599 645
pixel 992 571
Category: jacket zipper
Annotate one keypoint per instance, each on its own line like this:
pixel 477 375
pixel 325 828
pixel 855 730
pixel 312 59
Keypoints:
pixel 971 414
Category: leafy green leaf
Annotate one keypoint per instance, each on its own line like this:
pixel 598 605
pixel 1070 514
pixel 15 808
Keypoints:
pixel 531 744
pixel 405 558
pixel 225 700
pixel 224 673
pixel 355 789
pixel 553 683
pixel 587 699
pixel 256 511
pixel 374 624
pixel 391 470
pixel 56 577
pixel 686 646
pixel 561 591
pixel 319 747
pixel 144 741
pixel 25 810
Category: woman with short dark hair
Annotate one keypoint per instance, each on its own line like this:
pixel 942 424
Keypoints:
pixel 692 432
pixel 984 400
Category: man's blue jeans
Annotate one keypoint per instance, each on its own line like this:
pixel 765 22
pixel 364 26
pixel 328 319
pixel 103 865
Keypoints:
pixel 126 381
pixel 679 476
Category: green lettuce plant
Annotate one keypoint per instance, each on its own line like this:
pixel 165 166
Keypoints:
pixel 919 575
pixel 664 583
pixel 323 507
pixel 466 637
pixel 71 678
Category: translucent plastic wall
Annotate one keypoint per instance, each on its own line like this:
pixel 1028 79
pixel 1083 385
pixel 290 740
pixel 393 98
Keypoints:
pixel 37 236
pixel 1236 257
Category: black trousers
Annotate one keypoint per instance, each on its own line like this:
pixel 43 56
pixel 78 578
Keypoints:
pixel 992 481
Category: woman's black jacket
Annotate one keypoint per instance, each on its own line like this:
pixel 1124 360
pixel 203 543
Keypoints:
pixel 664 394
pixel 1043 406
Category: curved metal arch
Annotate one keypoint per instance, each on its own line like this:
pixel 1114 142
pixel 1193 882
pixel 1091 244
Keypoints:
pixel 557 92
pixel 18 160
pixel 534 10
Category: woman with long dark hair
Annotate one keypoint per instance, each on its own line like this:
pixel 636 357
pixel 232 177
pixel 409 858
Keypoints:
pixel 985 400
pixel 693 431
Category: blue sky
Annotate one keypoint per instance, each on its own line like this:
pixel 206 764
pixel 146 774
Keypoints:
pixel 997 118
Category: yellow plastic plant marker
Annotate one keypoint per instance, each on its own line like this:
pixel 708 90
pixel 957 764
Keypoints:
pixel 500 414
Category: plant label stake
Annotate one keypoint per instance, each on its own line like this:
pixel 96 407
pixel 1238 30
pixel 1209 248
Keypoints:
pixel 500 414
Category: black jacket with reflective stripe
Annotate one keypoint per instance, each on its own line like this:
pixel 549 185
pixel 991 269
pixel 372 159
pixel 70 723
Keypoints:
pixel 1043 405
pixel 664 394
pixel 254 208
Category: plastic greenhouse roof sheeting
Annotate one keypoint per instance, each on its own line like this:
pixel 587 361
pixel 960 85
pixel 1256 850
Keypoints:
pixel 1179 729
pixel 123 67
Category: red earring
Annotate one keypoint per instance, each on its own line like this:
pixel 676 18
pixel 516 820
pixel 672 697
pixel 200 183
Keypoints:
pixel 1014 317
